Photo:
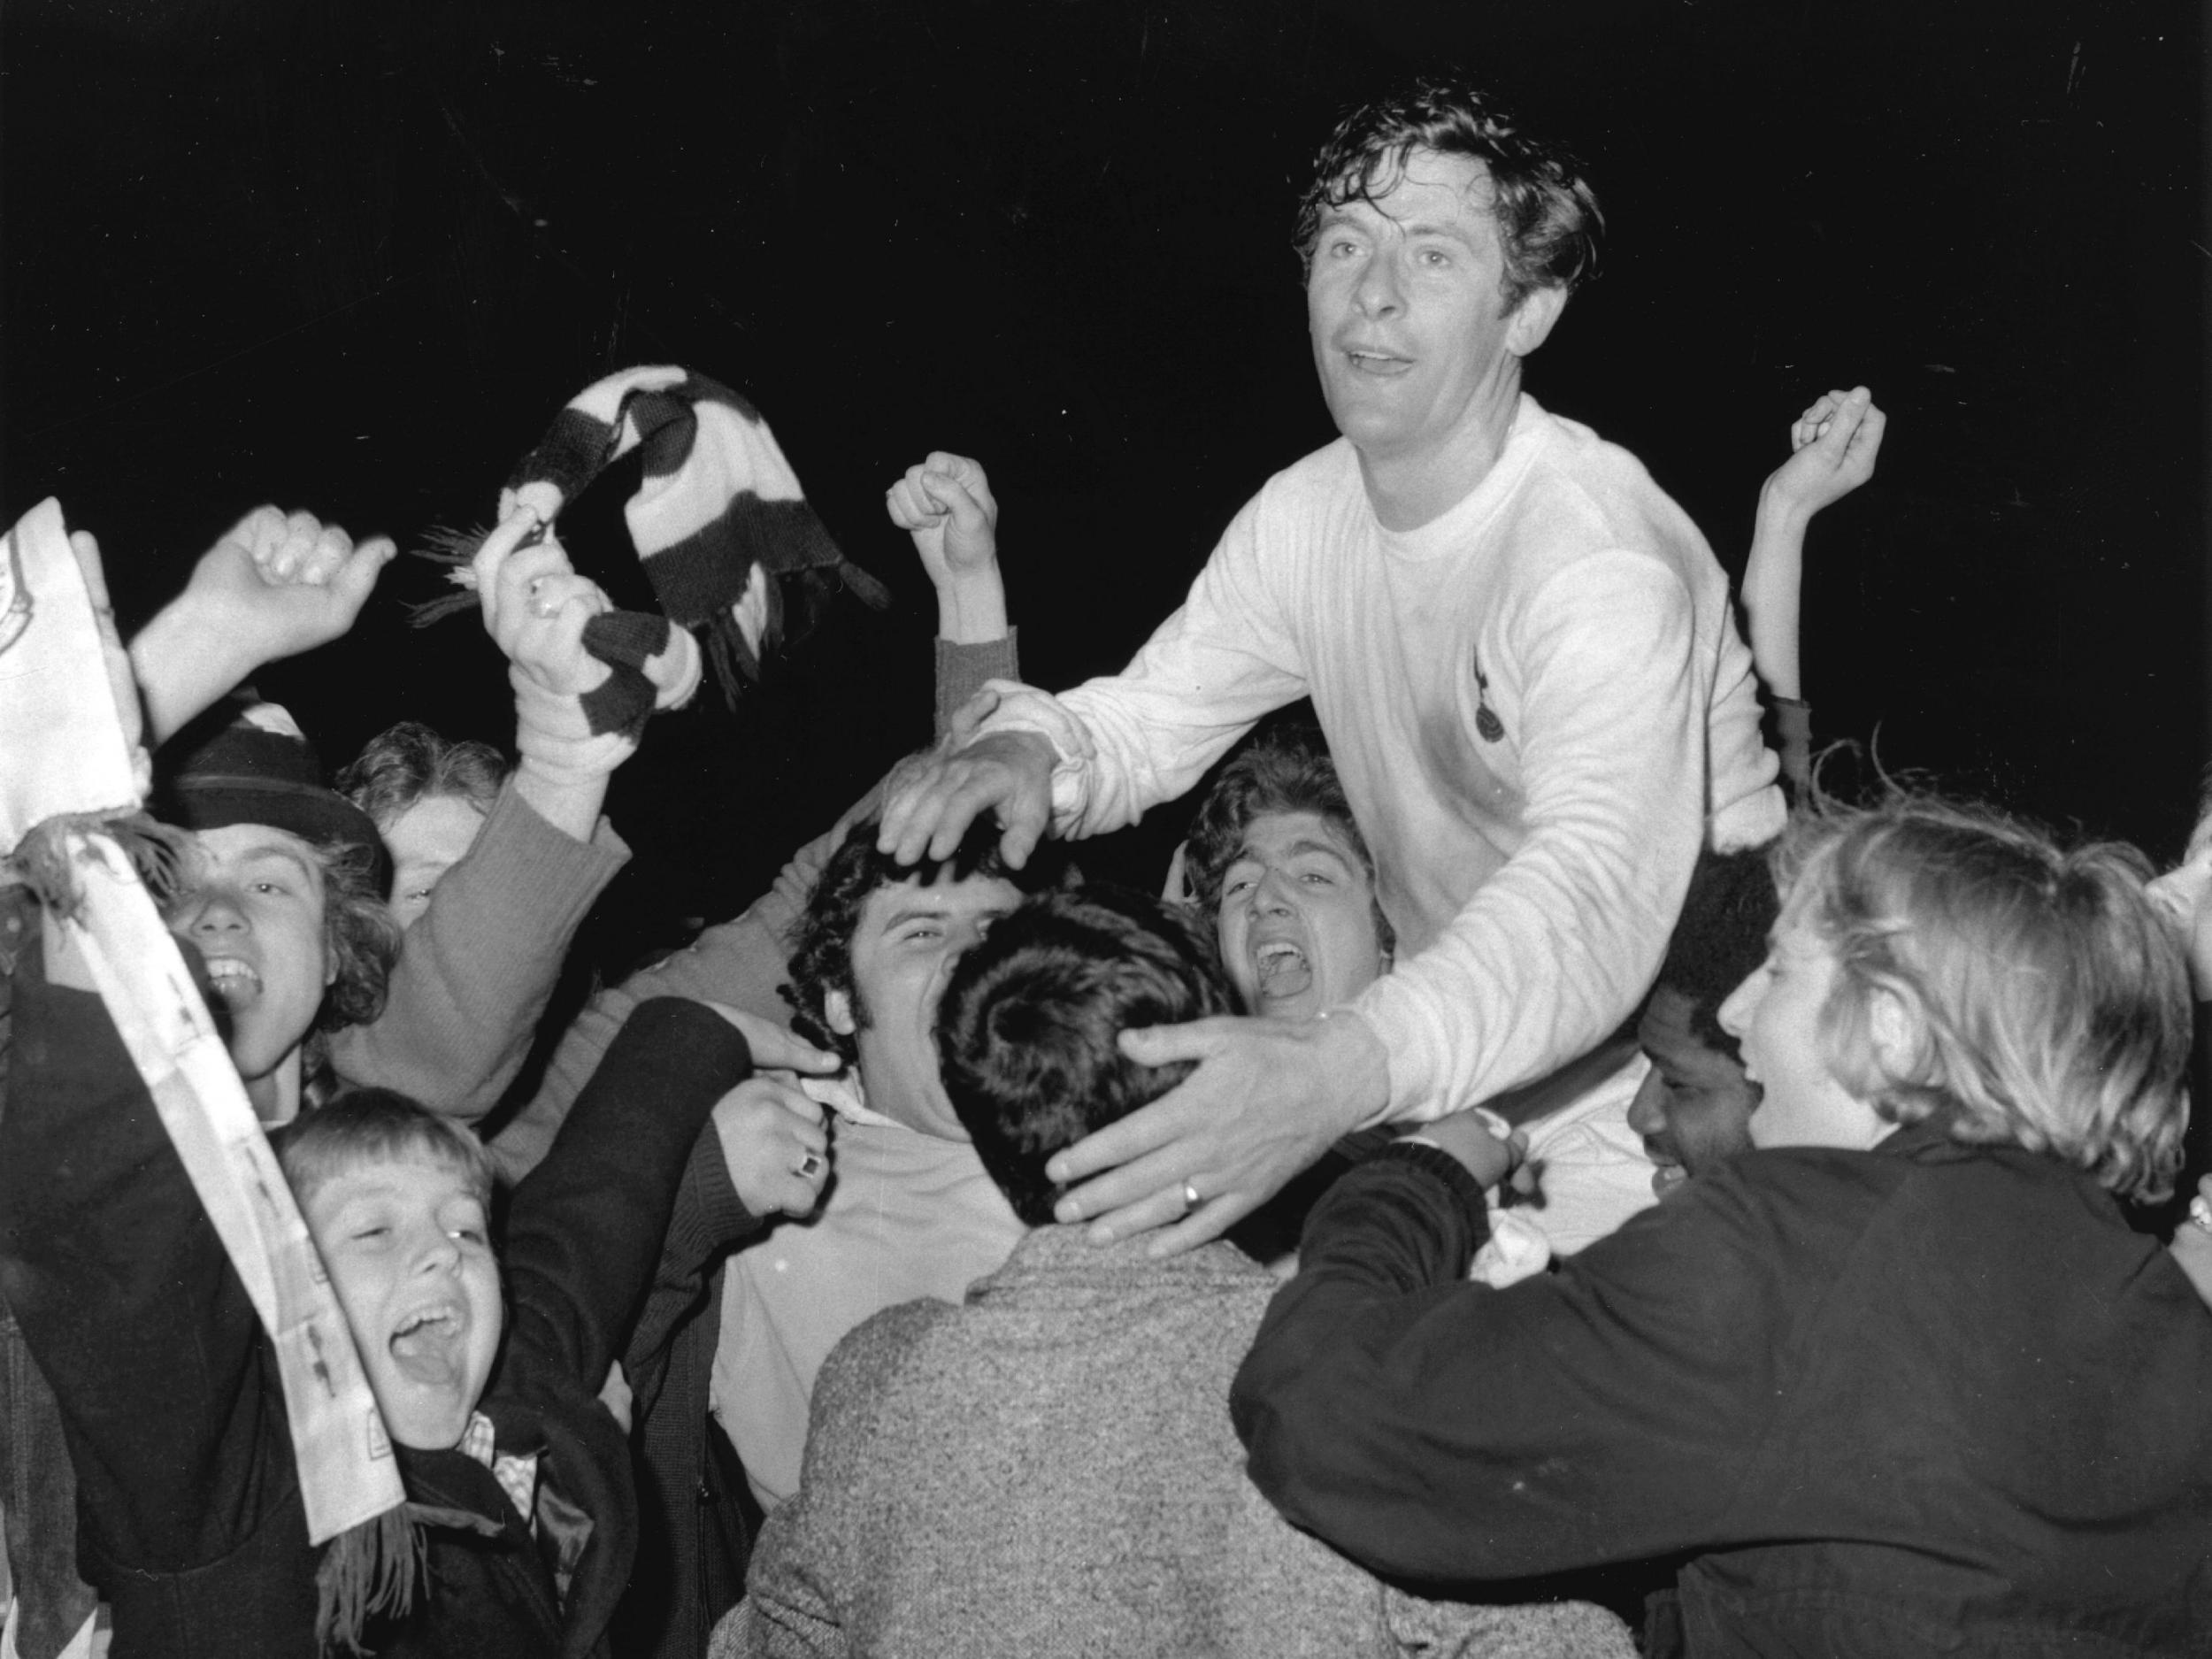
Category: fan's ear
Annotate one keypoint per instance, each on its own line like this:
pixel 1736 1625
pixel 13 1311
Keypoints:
pixel 1898 1028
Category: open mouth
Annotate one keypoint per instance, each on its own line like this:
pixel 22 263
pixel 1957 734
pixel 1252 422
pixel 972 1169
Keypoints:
pixel 233 981
pixel 428 1347
pixel 1376 362
pixel 1282 970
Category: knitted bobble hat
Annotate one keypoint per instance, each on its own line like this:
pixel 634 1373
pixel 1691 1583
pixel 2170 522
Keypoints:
pixel 720 526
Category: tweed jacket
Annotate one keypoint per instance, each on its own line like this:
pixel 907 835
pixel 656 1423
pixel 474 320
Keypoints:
pixel 1049 1468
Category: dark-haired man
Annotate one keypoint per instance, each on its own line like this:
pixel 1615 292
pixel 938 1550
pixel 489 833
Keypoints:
pixel 1519 649
pixel 1049 1466
pixel 910 1212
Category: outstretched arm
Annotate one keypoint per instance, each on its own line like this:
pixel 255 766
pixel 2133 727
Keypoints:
pixel 1094 759
pixel 1597 1414
pixel 1614 718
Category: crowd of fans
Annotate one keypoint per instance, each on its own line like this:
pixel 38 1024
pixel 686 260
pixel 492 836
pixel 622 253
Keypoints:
pixel 1539 1178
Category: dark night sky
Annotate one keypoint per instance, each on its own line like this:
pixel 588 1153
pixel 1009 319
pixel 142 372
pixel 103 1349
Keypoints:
pixel 353 258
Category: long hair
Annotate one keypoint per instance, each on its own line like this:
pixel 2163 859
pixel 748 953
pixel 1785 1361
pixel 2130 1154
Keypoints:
pixel 2049 999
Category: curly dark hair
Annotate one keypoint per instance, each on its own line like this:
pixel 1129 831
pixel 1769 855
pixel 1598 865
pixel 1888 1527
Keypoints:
pixel 1549 219
pixel 1286 770
pixel 1720 938
pixel 1027 1025
pixel 409 762
pixel 820 941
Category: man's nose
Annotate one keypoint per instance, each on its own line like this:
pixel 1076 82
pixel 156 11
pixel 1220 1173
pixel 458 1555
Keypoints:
pixel 1647 1112
pixel 1378 292
pixel 1271 895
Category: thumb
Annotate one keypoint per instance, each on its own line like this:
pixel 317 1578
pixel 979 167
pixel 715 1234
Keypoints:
pixel 967 718
pixel 773 1047
pixel 357 577
pixel 1160 1045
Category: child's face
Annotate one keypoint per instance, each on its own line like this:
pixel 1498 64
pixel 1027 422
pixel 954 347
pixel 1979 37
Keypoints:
pixel 409 1256
pixel 1775 1015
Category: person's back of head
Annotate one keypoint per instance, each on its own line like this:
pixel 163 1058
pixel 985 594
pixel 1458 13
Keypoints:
pixel 2034 994
pixel 1026 1029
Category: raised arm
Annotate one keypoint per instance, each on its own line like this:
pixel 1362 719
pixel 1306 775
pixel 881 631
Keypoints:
pixel 1833 446
pixel 1096 757
pixel 476 971
pixel 126 1299
pixel 278 583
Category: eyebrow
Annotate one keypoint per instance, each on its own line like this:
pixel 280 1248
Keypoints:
pixel 915 912
pixel 1437 227
pixel 259 855
pixel 1301 846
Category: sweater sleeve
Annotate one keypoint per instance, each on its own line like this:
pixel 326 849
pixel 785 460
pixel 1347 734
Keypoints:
pixel 963 670
pixel 740 964
pixel 127 1301
pixel 476 973
pixel 587 1225
pixel 1445 1433
pixel 708 1217
pixel 1552 953
pixel 1127 742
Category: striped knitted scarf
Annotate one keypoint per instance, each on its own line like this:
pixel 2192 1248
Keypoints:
pixel 719 524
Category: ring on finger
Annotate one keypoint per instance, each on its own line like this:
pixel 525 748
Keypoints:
pixel 810 1166
pixel 1191 1200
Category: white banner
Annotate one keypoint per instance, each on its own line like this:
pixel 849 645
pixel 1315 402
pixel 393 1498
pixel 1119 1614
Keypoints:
pixel 66 752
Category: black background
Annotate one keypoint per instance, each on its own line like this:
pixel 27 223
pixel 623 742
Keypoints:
pixel 353 256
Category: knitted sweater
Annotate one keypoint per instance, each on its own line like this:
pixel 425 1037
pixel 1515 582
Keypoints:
pixel 1538 706
pixel 475 974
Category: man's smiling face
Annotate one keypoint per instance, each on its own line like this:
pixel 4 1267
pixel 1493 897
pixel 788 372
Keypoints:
pixel 1405 301
pixel 1695 1107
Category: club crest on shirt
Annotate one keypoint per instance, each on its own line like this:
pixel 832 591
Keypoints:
pixel 1488 727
